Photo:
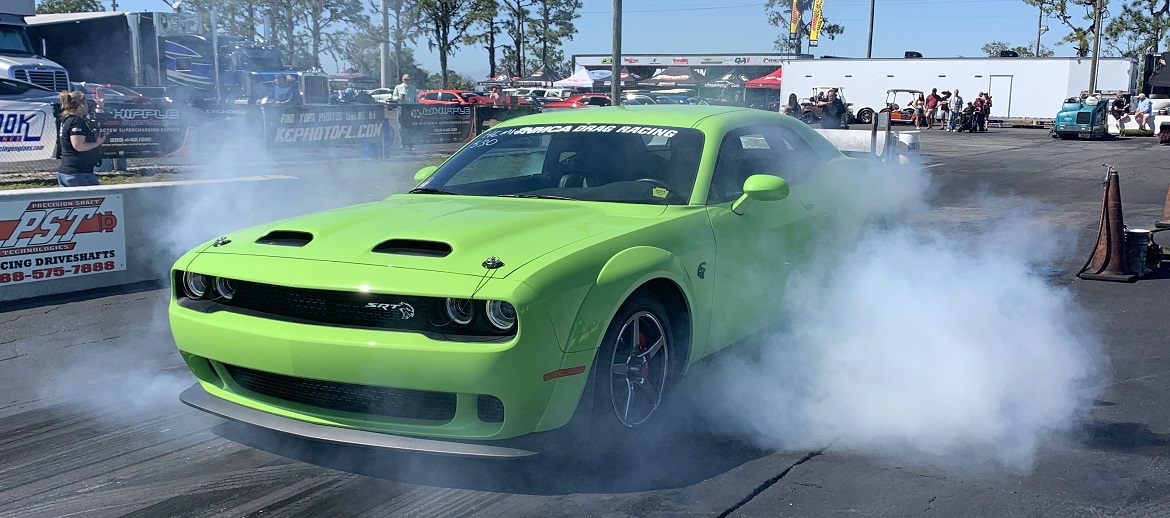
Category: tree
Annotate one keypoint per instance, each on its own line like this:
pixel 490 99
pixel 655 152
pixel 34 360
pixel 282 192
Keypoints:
pixel 69 6
pixel 1082 34
pixel 489 28
pixel 446 22
pixel 515 18
pixel 1140 29
pixel 779 13
pixel 405 26
pixel 993 48
pixel 553 24
pixel 320 15
pixel 359 49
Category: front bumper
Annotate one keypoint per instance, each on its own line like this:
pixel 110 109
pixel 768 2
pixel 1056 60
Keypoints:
pixel 218 345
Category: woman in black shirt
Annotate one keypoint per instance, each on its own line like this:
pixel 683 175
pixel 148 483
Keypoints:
pixel 77 142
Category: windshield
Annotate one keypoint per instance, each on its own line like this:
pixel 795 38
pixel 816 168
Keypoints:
pixel 15 88
pixel 13 40
pixel 615 163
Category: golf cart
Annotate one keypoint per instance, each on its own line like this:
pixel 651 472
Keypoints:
pixel 810 112
pixel 900 104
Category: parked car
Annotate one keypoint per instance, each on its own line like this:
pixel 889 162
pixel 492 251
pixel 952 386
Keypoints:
pixel 382 95
pixel 638 99
pixel 560 271
pixel 112 94
pixel 452 97
pixel 580 101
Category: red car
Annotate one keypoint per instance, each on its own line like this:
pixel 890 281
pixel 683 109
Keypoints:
pixel 113 94
pixel 452 97
pixel 580 101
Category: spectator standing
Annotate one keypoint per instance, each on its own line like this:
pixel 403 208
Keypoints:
pixel 406 95
pixel 919 110
pixel 832 109
pixel 77 143
pixel 1144 112
pixel 986 112
pixel 944 107
pixel 978 105
pixel 499 98
pixel 792 107
pixel 956 109
pixel 1119 109
pixel 932 102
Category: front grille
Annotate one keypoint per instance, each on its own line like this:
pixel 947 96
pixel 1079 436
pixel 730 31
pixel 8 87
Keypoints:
pixel 1083 117
pixel 338 307
pixel 348 397
pixel 55 80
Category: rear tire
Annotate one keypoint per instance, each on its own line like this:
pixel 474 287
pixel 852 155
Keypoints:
pixel 865 116
pixel 808 117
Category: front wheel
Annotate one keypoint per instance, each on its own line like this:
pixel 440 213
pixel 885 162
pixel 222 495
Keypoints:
pixel 808 117
pixel 634 369
pixel 865 116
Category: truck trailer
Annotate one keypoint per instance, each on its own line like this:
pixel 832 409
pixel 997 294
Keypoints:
pixel 158 54
pixel 19 58
pixel 1022 89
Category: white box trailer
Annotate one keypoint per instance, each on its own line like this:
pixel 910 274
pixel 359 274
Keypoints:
pixel 1022 89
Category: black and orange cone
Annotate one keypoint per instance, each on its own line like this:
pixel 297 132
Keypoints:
pixel 1165 221
pixel 1108 260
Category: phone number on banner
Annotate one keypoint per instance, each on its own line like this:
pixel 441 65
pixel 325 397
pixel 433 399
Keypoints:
pixel 72 270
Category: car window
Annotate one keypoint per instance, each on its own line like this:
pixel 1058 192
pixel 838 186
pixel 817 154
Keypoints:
pixel 772 149
pixel 13 88
pixel 599 101
pixel 447 96
pixel 612 163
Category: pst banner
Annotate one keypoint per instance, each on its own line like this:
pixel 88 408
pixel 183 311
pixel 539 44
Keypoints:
pixel 27 131
pixel 814 31
pixel 61 237
pixel 323 126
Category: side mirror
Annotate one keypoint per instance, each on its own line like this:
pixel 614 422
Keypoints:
pixel 761 187
pixel 425 173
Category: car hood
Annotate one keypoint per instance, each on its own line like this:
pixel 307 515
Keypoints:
pixel 439 233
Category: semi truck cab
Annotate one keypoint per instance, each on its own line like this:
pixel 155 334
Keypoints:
pixel 19 59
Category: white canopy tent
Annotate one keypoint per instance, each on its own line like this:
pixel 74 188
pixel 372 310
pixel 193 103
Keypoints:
pixel 582 78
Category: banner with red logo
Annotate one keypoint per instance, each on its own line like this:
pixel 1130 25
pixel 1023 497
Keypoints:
pixel 60 238
pixel 794 19
pixel 814 31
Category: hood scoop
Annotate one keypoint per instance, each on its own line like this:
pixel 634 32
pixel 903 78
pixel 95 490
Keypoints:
pixel 285 238
pixel 415 247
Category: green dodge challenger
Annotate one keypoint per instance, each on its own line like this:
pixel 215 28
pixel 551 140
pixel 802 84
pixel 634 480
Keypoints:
pixel 565 266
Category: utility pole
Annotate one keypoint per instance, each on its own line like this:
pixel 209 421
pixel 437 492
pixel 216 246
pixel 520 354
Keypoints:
pixel 1039 28
pixel 385 47
pixel 869 48
pixel 615 85
pixel 1098 8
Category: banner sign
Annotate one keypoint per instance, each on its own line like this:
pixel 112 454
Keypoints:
pixel 141 130
pixel 323 125
pixel 60 238
pixel 794 18
pixel 27 131
pixel 814 32
pixel 435 123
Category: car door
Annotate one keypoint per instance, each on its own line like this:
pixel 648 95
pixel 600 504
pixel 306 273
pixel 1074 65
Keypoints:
pixel 757 250
pixel 448 98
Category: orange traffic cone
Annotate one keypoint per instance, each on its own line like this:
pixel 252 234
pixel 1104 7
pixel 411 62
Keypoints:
pixel 1108 260
pixel 1165 221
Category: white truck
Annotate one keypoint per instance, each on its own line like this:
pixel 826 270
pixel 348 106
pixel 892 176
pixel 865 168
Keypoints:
pixel 18 55
pixel 1022 89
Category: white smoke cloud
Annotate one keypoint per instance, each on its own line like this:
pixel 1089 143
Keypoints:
pixel 934 338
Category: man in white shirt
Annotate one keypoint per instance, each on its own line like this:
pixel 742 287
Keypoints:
pixel 1144 112
pixel 405 93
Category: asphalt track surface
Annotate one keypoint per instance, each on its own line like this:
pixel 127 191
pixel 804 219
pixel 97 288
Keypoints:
pixel 90 423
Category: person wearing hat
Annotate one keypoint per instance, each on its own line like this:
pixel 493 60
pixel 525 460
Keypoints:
pixel 1144 112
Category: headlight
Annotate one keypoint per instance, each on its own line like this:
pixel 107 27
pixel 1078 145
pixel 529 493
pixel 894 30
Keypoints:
pixel 501 314
pixel 459 311
pixel 195 284
pixel 225 287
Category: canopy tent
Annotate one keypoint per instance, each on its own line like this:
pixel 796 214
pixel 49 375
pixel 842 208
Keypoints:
pixel 505 78
pixel 671 76
pixel 542 77
pixel 582 78
pixel 734 78
pixel 626 78
pixel 771 81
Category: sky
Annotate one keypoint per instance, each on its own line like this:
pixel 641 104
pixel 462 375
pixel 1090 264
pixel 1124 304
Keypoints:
pixel 936 28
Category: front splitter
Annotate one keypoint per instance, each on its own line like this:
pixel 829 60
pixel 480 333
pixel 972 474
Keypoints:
pixel 198 398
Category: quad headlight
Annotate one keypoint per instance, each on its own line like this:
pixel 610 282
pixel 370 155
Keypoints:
pixel 195 284
pixel 226 288
pixel 501 315
pixel 460 311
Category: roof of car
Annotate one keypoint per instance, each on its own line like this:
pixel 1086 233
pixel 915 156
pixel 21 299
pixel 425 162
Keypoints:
pixel 677 115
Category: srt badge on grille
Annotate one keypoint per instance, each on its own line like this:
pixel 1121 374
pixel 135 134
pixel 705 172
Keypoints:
pixel 405 311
